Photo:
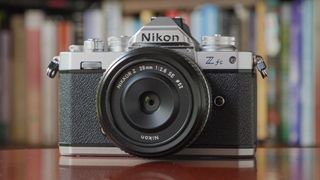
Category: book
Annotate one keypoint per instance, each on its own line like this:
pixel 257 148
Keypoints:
pixel 272 50
pixel 112 15
pixel 230 26
pixel 243 18
pixel 145 17
pixel 262 109
pixel 252 31
pixel 205 21
pixel 33 22
pixel 18 108
pixel 129 25
pixel 186 17
pixel 171 13
pixel 317 59
pixel 78 30
pixel 5 82
pixel 285 31
pixel 49 87
pixel 93 22
pixel 295 73
pixel 210 20
pixel 64 35
pixel 195 22
pixel 57 3
pixel 307 127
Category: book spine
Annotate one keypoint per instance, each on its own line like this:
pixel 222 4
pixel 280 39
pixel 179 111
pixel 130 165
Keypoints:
pixel 243 16
pixel 57 3
pixel 64 35
pixel 94 18
pixel 262 108
pixel 145 17
pixel 295 73
pixel 196 25
pixel 230 24
pixel 137 24
pixel 78 31
pixel 171 13
pixel 210 20
pixel 308 76
pixel 49 87
pixel 5 84
pixel 18 130
pixel 186 17
pixel 128 26
pixel 285 32
pixel 273 49
pixel 34 20
pixel 112 13
pixel 317 56
pixel 252 32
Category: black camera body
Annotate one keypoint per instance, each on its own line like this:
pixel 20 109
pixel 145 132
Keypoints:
pixel 156 94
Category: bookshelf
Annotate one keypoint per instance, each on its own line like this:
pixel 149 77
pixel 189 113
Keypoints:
pixel 47 5
pixel 256 25
pixel 135 6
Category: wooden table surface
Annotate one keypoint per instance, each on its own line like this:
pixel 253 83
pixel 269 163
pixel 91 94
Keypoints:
pixel 270 163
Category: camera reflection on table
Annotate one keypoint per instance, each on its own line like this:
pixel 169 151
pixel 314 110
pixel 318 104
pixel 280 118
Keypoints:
pixel 137 168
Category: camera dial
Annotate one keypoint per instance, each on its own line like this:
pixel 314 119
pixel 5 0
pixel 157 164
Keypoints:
pixel 218 43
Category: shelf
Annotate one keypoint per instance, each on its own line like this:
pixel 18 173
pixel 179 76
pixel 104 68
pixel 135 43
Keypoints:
pixel 65 6
pixel 135 6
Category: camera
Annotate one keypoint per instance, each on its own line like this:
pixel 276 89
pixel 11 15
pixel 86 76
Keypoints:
pixel 158 93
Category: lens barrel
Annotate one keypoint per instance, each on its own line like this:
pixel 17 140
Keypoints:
pixel 153 102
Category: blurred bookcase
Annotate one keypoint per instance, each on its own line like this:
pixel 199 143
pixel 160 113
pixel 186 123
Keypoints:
pixel 136 6
pixel 285 33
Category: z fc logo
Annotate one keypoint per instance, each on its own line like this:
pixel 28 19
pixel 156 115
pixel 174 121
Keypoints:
pixel 156 37
pixel 211 60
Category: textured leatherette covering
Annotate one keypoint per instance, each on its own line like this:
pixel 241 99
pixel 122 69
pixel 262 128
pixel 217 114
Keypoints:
pixel 79 122
pixel 234 123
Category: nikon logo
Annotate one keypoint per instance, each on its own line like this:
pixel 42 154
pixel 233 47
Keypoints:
pixel 156 37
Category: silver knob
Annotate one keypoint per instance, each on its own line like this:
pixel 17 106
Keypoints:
pixel 218 43
pixel 118 44
pixel 93 45
pixel 75 48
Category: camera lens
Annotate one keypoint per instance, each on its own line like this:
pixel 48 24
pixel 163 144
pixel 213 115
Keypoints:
pixel 153 102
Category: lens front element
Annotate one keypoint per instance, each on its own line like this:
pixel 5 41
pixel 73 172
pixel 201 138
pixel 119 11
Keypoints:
pixel 149 102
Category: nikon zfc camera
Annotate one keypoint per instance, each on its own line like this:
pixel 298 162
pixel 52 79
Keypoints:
pixel 158 93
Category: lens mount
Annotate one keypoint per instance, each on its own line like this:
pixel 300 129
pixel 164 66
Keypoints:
pixel 153 102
